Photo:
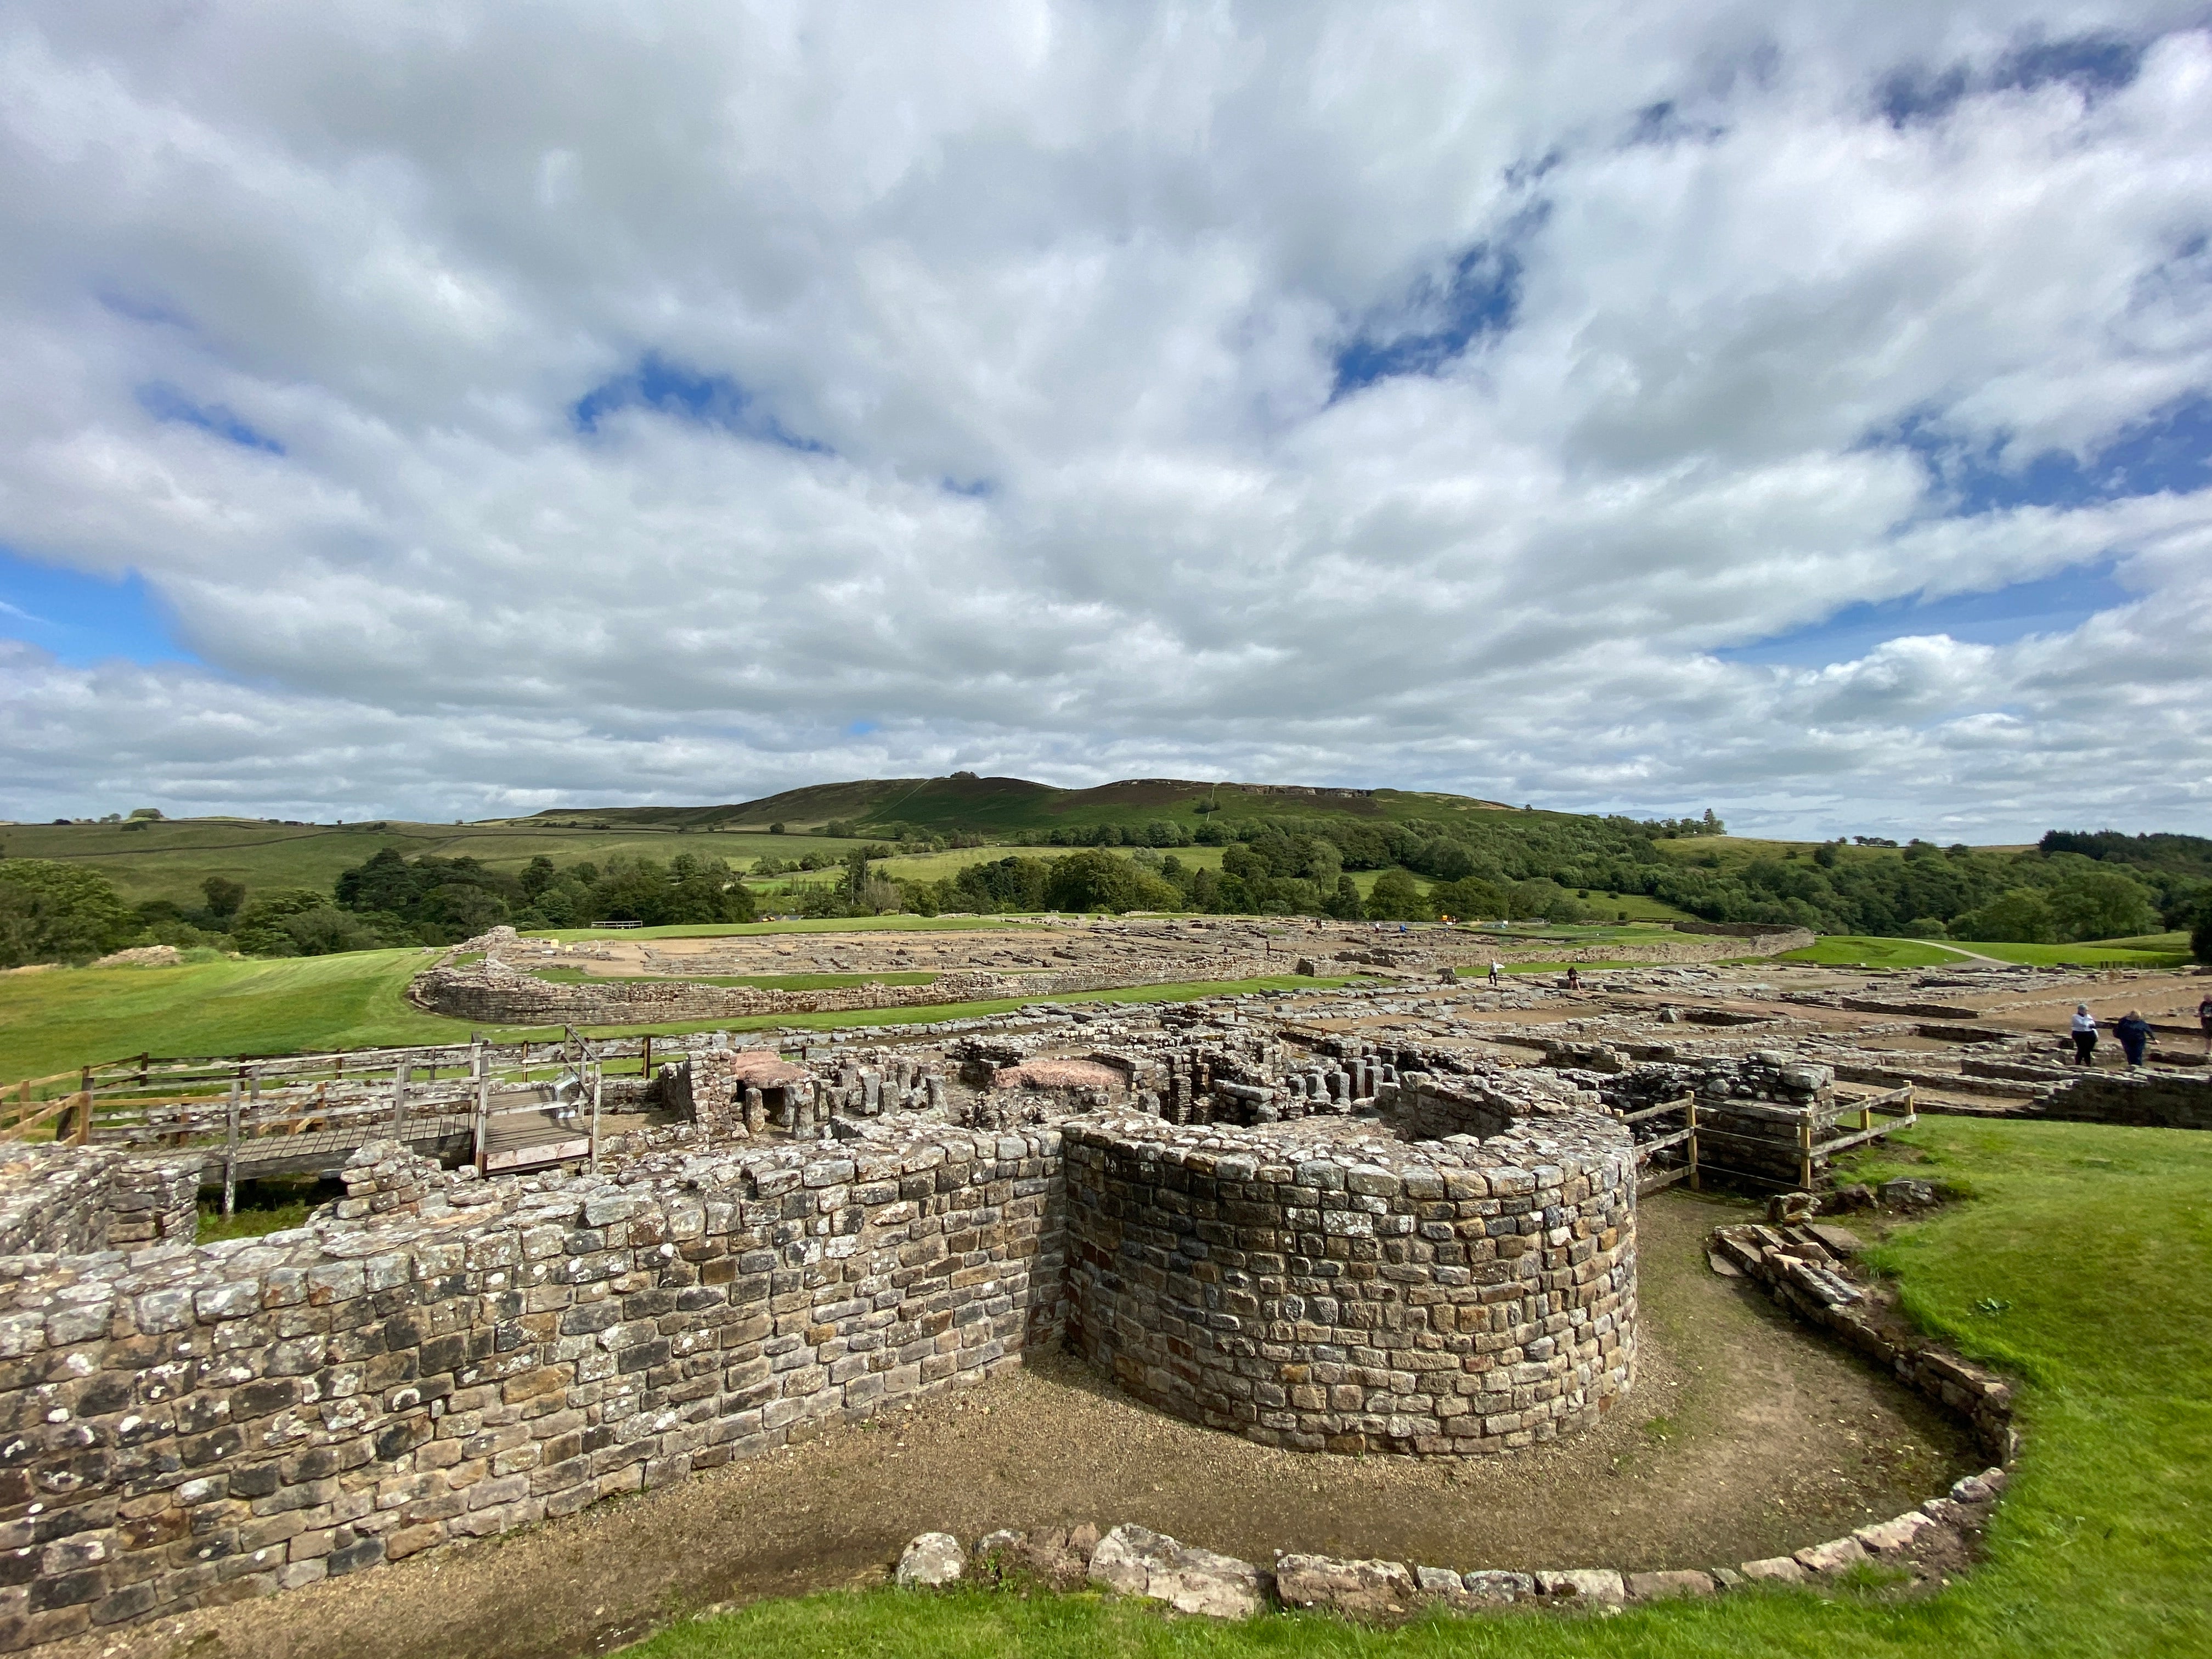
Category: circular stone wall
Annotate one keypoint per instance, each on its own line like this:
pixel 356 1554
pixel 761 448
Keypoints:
pixel 1324 1286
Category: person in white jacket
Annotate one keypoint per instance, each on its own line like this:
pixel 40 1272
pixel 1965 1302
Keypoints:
pixel 2085 1036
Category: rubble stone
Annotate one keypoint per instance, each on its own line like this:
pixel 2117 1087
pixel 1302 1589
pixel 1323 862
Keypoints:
pixel 931 1561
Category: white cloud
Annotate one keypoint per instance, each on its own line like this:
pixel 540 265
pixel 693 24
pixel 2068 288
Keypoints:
pixel 1092 265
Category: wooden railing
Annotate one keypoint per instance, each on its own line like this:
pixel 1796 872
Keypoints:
pixel 231 1108
pixel 1878 1115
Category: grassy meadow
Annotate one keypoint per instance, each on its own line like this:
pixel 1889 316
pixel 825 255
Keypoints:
pixel 53 1019
pixel 170 860
pixel 1847 950
pixel 2081 1263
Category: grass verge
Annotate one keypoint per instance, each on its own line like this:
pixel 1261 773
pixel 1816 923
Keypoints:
pixel 2093 1247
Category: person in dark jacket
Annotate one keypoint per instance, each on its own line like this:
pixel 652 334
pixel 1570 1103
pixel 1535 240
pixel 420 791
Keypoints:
pixel 2134 1033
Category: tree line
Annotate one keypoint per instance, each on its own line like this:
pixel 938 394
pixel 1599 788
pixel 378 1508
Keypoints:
pixel 2072 886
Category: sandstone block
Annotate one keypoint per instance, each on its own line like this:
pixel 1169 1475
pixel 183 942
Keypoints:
pixel 1137 1561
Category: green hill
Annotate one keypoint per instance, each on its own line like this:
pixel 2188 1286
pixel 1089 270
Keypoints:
pixel 1011 806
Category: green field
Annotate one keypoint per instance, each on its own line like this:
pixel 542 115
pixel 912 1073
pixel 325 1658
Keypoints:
pixel 1847 951
pixel 170 860
pixel 2081 956
pixel 53 1019
pixel 2083 1265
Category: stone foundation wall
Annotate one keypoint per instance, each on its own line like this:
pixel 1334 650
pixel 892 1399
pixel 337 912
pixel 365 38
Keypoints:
pixel 76 1199
pixel 490 993
pixel 1301 1290
pixel 2150 1101
pixel 193 1425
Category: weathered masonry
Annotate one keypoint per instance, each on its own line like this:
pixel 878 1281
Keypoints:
pixel 185 1425
pixel 1428 1266
pixel 1462 1296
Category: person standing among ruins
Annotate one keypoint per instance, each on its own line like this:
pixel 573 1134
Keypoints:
pixel 2204 1019
pixel 1574 979
pixel 2134 1033
pixel 2085 1036
pixel 1497 974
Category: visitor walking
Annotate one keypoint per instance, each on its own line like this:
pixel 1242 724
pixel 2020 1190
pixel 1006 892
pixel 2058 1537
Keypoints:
pixel 1574 979
pixel 2134 1033
pixel 2204 1019
pixel 1496 975
pixel 2085 1036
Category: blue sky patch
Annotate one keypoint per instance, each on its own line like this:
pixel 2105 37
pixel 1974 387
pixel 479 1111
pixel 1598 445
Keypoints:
pixel 84 619
pixel 1479 296
pixel 685 394
pixel 2093 64
pixel 2048 605
pixel 165 403
pixel 2171 451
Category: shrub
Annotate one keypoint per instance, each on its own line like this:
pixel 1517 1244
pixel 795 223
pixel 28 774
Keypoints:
pixel 56 912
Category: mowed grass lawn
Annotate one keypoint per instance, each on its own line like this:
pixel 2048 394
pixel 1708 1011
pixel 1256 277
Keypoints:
pixel 2083 1262
pixel 1849 950
pixel 54 1019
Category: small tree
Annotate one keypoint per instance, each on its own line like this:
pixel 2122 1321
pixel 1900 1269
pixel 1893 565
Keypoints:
pixel 223 897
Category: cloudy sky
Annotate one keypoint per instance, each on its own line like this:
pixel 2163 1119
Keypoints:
pixel 1801 408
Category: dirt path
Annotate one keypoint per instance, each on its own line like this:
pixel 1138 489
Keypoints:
pixel 1746 1436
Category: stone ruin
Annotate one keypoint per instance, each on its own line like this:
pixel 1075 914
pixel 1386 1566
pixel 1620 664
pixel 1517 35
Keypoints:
pixel 1319 1250
pixel 1396 1219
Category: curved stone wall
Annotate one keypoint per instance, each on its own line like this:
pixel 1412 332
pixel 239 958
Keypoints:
pixel 1313 1286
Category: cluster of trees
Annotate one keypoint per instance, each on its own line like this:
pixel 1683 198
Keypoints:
pixel 911 837
pixel 440 900
pixel 1160 832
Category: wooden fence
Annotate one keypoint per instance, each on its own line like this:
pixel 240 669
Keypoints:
pixel 1877 1115
pixel 509 1105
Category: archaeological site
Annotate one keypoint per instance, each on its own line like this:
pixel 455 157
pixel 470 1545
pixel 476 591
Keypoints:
pixel 1399 1222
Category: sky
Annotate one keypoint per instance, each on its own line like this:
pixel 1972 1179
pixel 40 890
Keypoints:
pixel 455 409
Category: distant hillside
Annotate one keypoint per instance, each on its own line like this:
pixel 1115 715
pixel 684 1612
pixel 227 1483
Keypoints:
pixel 1008 806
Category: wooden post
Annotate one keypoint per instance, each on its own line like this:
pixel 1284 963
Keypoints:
pixel 84 1107
pixel 398 1099
pixel 1691 1115
pixel 230 1151
pixel 483 1115
pixel 645 1064
pixel 595 1119
pixel 1805 1152
pixel 143 1060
